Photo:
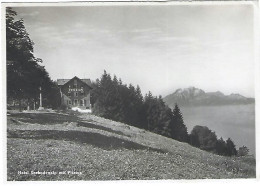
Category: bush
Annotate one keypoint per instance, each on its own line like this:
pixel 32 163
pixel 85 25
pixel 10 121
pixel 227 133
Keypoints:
pixel 243 151
pixel 63 107
pixel 204 138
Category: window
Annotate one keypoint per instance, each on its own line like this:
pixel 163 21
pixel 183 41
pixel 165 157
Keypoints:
pixel 75 101
pixel 81 103
pixel 76 94
pixel 75 84
pixel 70 102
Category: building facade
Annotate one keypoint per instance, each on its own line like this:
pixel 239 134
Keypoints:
pixel 75 92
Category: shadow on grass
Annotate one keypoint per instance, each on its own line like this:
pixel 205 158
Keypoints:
pixel 90 125
pixel 95 139
pixel 44 118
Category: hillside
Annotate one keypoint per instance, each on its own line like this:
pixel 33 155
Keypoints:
pixel 86 147
pixel 196 97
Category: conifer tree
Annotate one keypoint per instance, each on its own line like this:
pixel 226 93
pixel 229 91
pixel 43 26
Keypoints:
pixel 221 147
pixel 179 131
pixel 117 101
pixel 231 148
pixel 149 110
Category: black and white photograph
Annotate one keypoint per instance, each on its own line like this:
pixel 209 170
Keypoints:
pixel 129 90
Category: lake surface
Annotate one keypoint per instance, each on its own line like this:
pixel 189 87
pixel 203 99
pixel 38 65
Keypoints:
pixel 234 121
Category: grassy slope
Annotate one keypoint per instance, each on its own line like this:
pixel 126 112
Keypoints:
pixel 106 150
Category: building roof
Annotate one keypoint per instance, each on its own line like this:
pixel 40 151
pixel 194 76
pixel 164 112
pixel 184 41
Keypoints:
pixel 61 82
pixel 87 81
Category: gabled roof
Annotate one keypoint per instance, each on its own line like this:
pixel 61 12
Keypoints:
pixel 61 82
pixel 87 81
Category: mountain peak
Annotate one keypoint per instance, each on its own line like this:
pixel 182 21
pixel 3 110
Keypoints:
pixel 193 96
pixel 190 91
pixel 237 96
pixel 217 93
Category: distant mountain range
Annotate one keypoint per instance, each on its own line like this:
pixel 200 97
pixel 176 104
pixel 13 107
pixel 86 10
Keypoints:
pixel 196 97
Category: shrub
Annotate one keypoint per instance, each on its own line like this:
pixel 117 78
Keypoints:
pixel 242 151
pixel 204 138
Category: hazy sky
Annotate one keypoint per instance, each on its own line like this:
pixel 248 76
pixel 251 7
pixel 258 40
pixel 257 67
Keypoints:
pixel 161 48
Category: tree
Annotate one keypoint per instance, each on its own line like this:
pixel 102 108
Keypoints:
pixel 166 119
pixel 221 147
pixel 94 92
pixel 194 139
pixel 105 104
pixel 231 148
pixel 179 129
pixel 158 115
pixel 150 111
pixel 19 49
pixel 24 73
pixel 243 151
pixel 204 138
pixel 114 100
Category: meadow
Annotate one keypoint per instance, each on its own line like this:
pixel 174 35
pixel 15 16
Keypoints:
pixel 87 147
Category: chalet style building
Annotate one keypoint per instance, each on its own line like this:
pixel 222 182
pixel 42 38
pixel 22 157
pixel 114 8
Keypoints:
pixel 75 92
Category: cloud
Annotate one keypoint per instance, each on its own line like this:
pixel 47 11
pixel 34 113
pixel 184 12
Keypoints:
pixel 146 30
pixel 29 14
pixel 206 49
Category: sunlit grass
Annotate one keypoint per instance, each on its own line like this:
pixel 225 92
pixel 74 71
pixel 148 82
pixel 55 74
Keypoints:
pixel 106 150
